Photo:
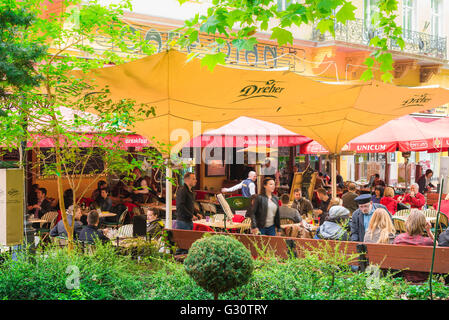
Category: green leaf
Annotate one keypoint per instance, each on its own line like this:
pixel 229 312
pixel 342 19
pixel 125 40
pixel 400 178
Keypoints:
pixel 387 77
pixel 367 75
pixel 326 25
pixel 369 62
pixel 211 60
pixel 346 12
pixel 282 36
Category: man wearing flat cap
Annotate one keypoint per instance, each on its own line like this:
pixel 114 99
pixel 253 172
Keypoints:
pixel 362 216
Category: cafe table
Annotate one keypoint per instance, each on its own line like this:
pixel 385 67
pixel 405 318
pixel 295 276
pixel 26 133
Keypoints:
pixel 35 220
pixel 105 214
pixel 156 206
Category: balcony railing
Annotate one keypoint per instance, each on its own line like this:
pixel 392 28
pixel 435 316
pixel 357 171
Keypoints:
pixel 358 32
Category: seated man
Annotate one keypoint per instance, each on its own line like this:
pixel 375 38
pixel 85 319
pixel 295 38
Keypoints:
pixel 154 224
pixel 321 205
pixel 103 201
pixel 349 198
pixel 59 228
pixel 286 212
pixel 414 198
pixel 42 205
pixel 362 216
pixel 300 203
pixel 90 232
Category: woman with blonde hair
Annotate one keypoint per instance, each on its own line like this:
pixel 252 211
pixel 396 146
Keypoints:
pixel 335 202
pixel 380 228
pixel 415 225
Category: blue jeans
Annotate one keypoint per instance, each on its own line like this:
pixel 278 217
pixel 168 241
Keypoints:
pixel 183 225
pixel 270 231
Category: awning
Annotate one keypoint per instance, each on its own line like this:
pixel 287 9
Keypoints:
pixel 89 141
pixel 189 99
pixel 403 134
pixel 244 132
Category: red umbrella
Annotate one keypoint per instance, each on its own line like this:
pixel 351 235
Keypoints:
pixel 245 132
pixel 403 134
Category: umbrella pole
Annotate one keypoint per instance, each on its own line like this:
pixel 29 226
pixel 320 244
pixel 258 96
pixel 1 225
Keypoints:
pixel 168 197
pixel 333 158
pixel 259 178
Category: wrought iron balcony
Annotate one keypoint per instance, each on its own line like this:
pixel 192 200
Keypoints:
pixel 358 32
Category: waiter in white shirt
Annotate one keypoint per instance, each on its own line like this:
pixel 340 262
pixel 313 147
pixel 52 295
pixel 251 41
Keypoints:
pixel 248 186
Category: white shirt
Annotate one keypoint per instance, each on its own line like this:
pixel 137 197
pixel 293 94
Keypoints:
pixel 252 188
pixel 271 213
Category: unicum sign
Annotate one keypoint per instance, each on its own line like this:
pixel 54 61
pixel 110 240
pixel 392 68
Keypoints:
pixel 371 147
pixel 261 89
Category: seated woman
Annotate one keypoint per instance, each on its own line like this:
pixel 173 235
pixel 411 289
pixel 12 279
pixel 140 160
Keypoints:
pixel 388 200
pixel 100 185
pixel 380 228
pixel 378 194
pixel 334 228
pixel 142 193
pixel 415 225
pixel 59 228
pixel 154 224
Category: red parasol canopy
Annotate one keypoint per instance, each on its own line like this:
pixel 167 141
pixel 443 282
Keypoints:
pixel 244 132
pixel 403 134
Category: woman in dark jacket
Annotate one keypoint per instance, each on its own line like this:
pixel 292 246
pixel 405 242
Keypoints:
pixel 264 213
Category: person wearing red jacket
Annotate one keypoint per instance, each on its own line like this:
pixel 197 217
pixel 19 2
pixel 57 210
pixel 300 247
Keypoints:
pixel 388 200
pixel 414 198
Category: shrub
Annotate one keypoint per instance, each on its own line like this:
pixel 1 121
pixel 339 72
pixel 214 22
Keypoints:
pixel 45 275
pixel 219 263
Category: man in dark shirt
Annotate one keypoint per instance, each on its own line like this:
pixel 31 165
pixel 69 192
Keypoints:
pixel 321 205
pixel 349 198
pixel 184 203
pixel 286 212
pixel 303 205
pixel 42 205
pixel 90 232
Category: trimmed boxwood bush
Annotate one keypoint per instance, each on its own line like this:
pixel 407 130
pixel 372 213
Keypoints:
pixel 219 263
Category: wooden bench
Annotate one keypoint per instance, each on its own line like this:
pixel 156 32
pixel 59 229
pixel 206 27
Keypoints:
pixel 387 256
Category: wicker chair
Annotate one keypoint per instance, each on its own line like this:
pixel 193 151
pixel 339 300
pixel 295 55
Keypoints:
pixel 125 231
pixel 247 221
pixel 50 218
pixel 443 222
pixel 208 208
pixel 430 213
pixel 402 213
pixel 120 221
pixel 399 225
pixel 287 221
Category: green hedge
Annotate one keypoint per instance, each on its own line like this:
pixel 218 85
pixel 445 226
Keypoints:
pixel 107 275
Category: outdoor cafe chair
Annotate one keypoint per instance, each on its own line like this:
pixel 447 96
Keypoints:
pixel 402 213
pixel 120 221
pixel 287 221
pixel 125 231
pixel 399 225
pixel 246 222
pixel 50 218
pixel 208 208
pixel 442 219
